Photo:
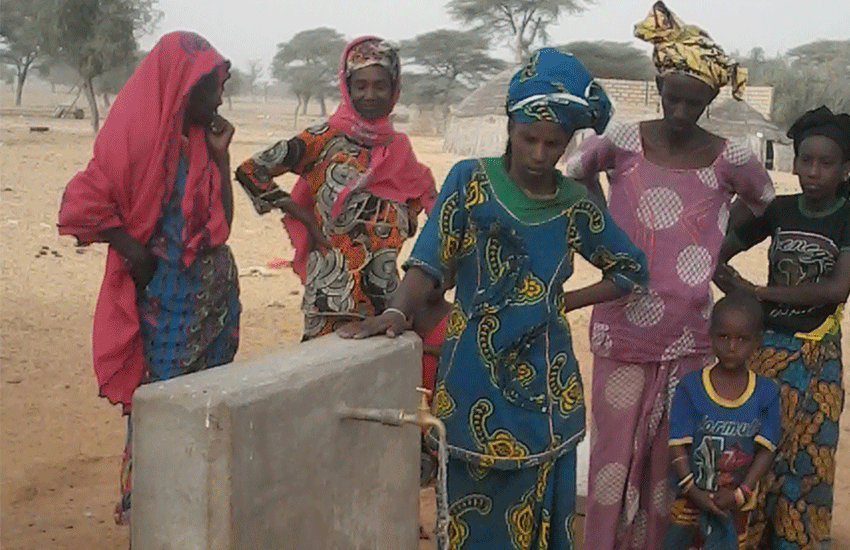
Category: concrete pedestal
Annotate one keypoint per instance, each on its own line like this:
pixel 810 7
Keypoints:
pixel 253 456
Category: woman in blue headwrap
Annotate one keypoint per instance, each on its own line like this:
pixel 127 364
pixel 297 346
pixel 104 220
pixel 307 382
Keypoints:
pixel 508 386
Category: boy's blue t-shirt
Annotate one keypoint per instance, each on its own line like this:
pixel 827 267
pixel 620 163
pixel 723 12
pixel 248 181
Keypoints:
pixel 723 434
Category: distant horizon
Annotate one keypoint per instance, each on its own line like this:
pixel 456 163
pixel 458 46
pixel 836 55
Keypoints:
pixel 253 28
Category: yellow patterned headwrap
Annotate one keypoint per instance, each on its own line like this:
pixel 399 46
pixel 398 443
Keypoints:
pixel 689 49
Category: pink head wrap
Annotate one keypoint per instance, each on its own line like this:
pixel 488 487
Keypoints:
pixel 127 181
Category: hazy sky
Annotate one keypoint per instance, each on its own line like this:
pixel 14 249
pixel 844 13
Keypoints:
pixel 247 29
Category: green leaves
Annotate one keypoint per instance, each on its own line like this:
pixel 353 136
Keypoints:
pixel 22 29
pixel 812 74
pixel 441 66
pixel 309 62
pixel 97 35
pixel 605 59
pixel 521 23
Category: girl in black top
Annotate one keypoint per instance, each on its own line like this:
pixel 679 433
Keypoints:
pixel 808 283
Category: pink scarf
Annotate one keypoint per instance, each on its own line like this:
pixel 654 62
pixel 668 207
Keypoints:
pixel 127 181
pixel 393 173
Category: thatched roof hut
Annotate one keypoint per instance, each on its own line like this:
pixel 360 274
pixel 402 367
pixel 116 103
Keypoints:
pixel 478 125
pixel 730 118
pixel 739 120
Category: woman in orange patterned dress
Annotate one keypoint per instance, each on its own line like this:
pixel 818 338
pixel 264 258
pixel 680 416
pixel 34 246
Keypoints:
pixel 358 198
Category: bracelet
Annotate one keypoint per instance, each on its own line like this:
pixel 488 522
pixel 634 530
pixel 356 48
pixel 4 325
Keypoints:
pixel 396 310
pixel 740 499
pixel 688 486
pixel 678 458
pixel 686 479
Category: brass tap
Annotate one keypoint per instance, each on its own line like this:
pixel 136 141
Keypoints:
pixel 399 417
pixel 422 417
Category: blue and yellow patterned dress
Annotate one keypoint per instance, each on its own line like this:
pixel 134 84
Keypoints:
pixel 508 386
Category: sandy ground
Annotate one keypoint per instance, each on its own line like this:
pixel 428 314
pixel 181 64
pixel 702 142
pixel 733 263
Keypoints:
pixel 61 444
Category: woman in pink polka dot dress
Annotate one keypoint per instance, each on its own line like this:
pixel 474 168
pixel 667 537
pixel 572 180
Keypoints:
pixel 671 184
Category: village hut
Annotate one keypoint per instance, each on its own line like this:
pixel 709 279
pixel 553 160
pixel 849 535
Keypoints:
pixel 739 120
pixel 478 126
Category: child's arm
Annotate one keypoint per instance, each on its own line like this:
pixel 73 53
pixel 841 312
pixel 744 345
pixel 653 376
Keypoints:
pixel 742 235
pixel 761 464
pixel 767 439
pixel 431 349
pixel 682 427
pixel 830 289
pixel 727 277
pixel 681 465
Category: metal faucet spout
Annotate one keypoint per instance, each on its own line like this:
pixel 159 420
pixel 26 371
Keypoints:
pixel 422 417
pixel 397 417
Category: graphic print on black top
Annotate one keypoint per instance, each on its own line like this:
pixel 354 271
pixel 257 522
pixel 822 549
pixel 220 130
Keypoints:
pixel 804 248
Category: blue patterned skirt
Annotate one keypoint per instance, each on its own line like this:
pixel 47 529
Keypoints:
pixel 190 317
pixel 524 509
pixel 189 322
pixel 795 508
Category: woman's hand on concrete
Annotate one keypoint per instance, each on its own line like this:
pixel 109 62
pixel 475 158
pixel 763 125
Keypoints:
pixel 392 323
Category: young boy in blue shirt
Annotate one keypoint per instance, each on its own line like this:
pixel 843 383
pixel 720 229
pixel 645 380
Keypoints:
pixel 724 429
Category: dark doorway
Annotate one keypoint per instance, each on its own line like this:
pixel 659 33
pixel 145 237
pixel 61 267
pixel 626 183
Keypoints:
pixel 768 154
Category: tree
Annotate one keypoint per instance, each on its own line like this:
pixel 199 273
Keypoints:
pixel 451 61
pixel 761 69
pixel 308 63
pixel 823 54
pixel 757 55
pixel 829 62
pixel 816 73
pixel 59 73
pixel 22 28
pixel 94 36
pixel 520 22
pixel 235 85
pixel 604 59
pixel 111 81
pixel 255 71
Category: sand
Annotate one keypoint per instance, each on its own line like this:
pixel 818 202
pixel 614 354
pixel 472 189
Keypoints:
pixel 61 444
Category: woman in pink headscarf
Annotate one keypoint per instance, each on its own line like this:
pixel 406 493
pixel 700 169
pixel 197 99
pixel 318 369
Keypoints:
pixel 158 190
pixel 358 197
